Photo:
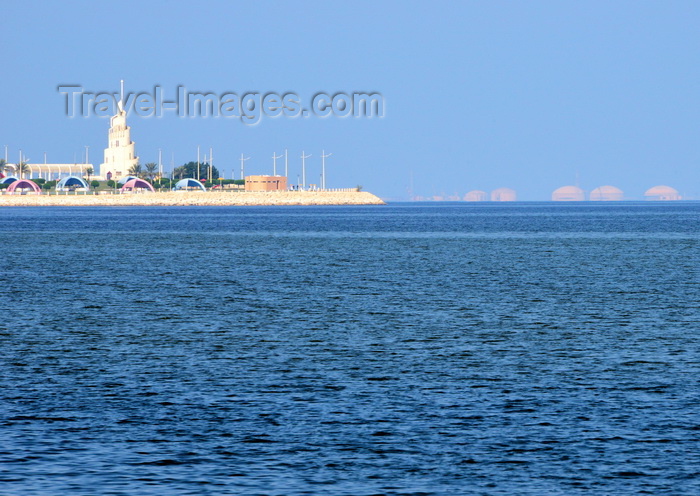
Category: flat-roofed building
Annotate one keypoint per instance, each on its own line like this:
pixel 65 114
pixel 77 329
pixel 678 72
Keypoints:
pixel 265 183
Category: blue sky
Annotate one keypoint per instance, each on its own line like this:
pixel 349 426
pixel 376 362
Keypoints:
pixel 478 95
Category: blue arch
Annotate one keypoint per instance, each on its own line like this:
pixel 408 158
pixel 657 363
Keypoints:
pixel 69 181
pixel 189 183
pixel 126 179
pixel 8 180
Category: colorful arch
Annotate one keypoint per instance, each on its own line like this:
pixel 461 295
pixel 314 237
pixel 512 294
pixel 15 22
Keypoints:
pixel 126 179
pixel 9 179
pixel 69 181
pixel 135 184
pixel 189 183
pixel 23 184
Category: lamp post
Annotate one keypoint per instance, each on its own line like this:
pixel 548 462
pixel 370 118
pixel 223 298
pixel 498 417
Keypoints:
pixel 303 169
pixel 323 168
pixel 243 168
pixel 274 163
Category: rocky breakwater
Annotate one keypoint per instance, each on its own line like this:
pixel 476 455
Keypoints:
pixel 222 198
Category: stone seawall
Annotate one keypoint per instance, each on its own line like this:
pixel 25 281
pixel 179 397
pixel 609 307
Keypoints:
pixel 194 199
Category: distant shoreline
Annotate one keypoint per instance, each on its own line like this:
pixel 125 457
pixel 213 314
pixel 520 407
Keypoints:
pixel 194 199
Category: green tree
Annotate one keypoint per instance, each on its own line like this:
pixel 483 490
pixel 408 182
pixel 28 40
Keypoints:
pixel 95 184
pixel 151 170
pixel 136 170
pixel 22 168
pixel 163 182
pixel 180 172
pixel 191 171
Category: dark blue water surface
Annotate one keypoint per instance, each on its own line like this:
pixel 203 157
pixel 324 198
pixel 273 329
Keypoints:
pixel 437 349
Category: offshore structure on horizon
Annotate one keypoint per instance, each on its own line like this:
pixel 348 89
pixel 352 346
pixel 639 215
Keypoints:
pixel 568 193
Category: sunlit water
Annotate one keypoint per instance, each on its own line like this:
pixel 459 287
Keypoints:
pixel 437 349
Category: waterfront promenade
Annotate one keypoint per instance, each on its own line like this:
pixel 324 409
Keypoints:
pixel 195 199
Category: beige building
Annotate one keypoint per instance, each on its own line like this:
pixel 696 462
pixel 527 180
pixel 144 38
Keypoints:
pixel 265 183
pixel 568 193
pixel 662 193
pixel 119 154
pixel 607 193
pixel 476 196
pixel 503 195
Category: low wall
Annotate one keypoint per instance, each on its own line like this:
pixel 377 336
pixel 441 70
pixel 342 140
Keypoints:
pixel 221 198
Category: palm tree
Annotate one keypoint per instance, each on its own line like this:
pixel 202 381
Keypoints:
pixel 22 168
pixel 179 172
pixel 136 170
pixel 3 166
pixel 89 171
pixel 151 168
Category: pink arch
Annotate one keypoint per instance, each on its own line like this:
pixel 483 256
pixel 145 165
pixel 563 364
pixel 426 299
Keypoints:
pixel 23 184
pixel 135 184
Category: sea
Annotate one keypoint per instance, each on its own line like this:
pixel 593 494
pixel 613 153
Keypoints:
pixel 406 349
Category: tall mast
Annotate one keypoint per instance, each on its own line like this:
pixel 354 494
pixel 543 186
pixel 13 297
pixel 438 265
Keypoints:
pixel 243 166
pixel 323 168
pixel 121 95
pixel 274 163
pixel 303 169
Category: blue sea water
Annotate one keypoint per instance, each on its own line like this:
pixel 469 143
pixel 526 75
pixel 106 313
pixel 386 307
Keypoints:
pixel 408 349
